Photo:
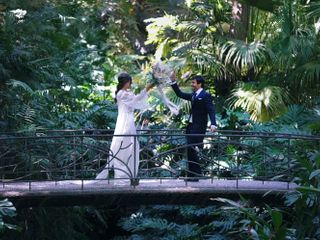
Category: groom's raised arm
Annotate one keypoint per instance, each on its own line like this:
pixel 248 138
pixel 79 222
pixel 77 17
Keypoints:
pixel 176 89
pixel 183 95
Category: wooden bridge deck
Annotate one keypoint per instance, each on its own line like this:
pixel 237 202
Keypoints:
pixel 120 192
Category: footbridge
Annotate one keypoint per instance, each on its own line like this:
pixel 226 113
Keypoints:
pixel 59 167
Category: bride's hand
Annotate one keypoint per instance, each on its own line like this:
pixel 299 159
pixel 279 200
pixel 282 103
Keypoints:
pixel 150 86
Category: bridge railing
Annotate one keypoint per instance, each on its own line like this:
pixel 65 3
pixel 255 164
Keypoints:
pixel 83 154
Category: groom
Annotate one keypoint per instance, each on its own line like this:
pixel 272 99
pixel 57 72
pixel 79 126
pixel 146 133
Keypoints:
pixel 202 106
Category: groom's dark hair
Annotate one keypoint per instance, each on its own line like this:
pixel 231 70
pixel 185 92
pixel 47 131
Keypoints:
pixel 199 79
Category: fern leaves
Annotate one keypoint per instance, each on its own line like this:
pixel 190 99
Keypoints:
pixel 160 227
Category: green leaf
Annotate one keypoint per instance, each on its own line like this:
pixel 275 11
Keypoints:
pixel 314 9
pixel 276 219
pixel 19 84
pixel 315 173
pixel 308 189
pixel 232 203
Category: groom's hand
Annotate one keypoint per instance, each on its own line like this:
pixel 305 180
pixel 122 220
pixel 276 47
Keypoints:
pixel 173 76
pixel 213 128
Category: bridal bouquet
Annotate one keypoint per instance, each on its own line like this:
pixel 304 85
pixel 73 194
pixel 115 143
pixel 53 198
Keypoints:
pixel 161 77
pixel 161 73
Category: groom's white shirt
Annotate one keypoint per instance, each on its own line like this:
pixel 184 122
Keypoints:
pixel 198 91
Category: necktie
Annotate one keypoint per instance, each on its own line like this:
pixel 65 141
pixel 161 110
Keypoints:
pixel 192 99
pixel 193 96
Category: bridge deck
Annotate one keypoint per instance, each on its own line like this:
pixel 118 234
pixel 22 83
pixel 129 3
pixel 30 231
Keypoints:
pixel 173 191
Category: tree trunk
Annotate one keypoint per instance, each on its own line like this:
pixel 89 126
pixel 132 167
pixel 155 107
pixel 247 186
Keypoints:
pixel 240 15
pixel 138 40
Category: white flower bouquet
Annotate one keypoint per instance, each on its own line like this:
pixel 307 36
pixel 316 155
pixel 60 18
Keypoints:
pixel 161 73
pixel 161 77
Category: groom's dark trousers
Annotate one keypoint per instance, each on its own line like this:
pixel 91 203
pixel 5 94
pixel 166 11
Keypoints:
pixel 201 108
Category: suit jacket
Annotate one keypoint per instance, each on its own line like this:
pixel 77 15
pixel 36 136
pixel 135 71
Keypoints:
pixel 202 106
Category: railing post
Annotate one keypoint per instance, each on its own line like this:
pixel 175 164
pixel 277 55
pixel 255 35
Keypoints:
pixel 218 157
pixel 213 155
pixel 4 171
pixel 29 167
pixel 133 180
pixel 82 162
pixel 74 159
pixel 237 172
pixel 186 158
pixel 288 154
pixel 264 158
pixel 82 169
pixel 135 154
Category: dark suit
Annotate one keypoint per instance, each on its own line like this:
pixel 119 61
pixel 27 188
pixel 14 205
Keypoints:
pixel 202 106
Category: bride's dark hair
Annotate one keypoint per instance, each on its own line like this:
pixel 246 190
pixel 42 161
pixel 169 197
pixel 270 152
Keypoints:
pixel 123 78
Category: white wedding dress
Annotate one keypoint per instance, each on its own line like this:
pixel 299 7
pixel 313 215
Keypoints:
pixel 124 150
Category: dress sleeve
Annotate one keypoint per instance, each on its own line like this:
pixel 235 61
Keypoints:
pixel 131 100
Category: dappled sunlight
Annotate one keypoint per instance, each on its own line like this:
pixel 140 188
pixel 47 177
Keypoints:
pixel 263 104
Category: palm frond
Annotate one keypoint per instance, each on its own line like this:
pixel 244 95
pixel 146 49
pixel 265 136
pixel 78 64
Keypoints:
pixel 313 9
pixel 296 45
pixel 296 115
pixel 160 28
pixel 307 75
pixel 207 62
pixel 262 104
pixel 211 11
pixel 163 49
pixel 190 28
pixel 182 48
pixel 241 54
pixel 19 84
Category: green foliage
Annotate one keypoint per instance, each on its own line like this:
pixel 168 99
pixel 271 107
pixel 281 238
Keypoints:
pixel 229 220
pixel 7 211
pixel 313 9
pixel 51 59
pixel 252 223
pixel 144 227
pixel 61 222
pixel 306 199
pixel 263 103
pixel 285 52
pixel 242 55
pixel 58 62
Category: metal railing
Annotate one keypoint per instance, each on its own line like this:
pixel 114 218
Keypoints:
pixel 83 154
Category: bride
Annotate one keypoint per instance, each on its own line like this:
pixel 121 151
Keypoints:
pixel 124 150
